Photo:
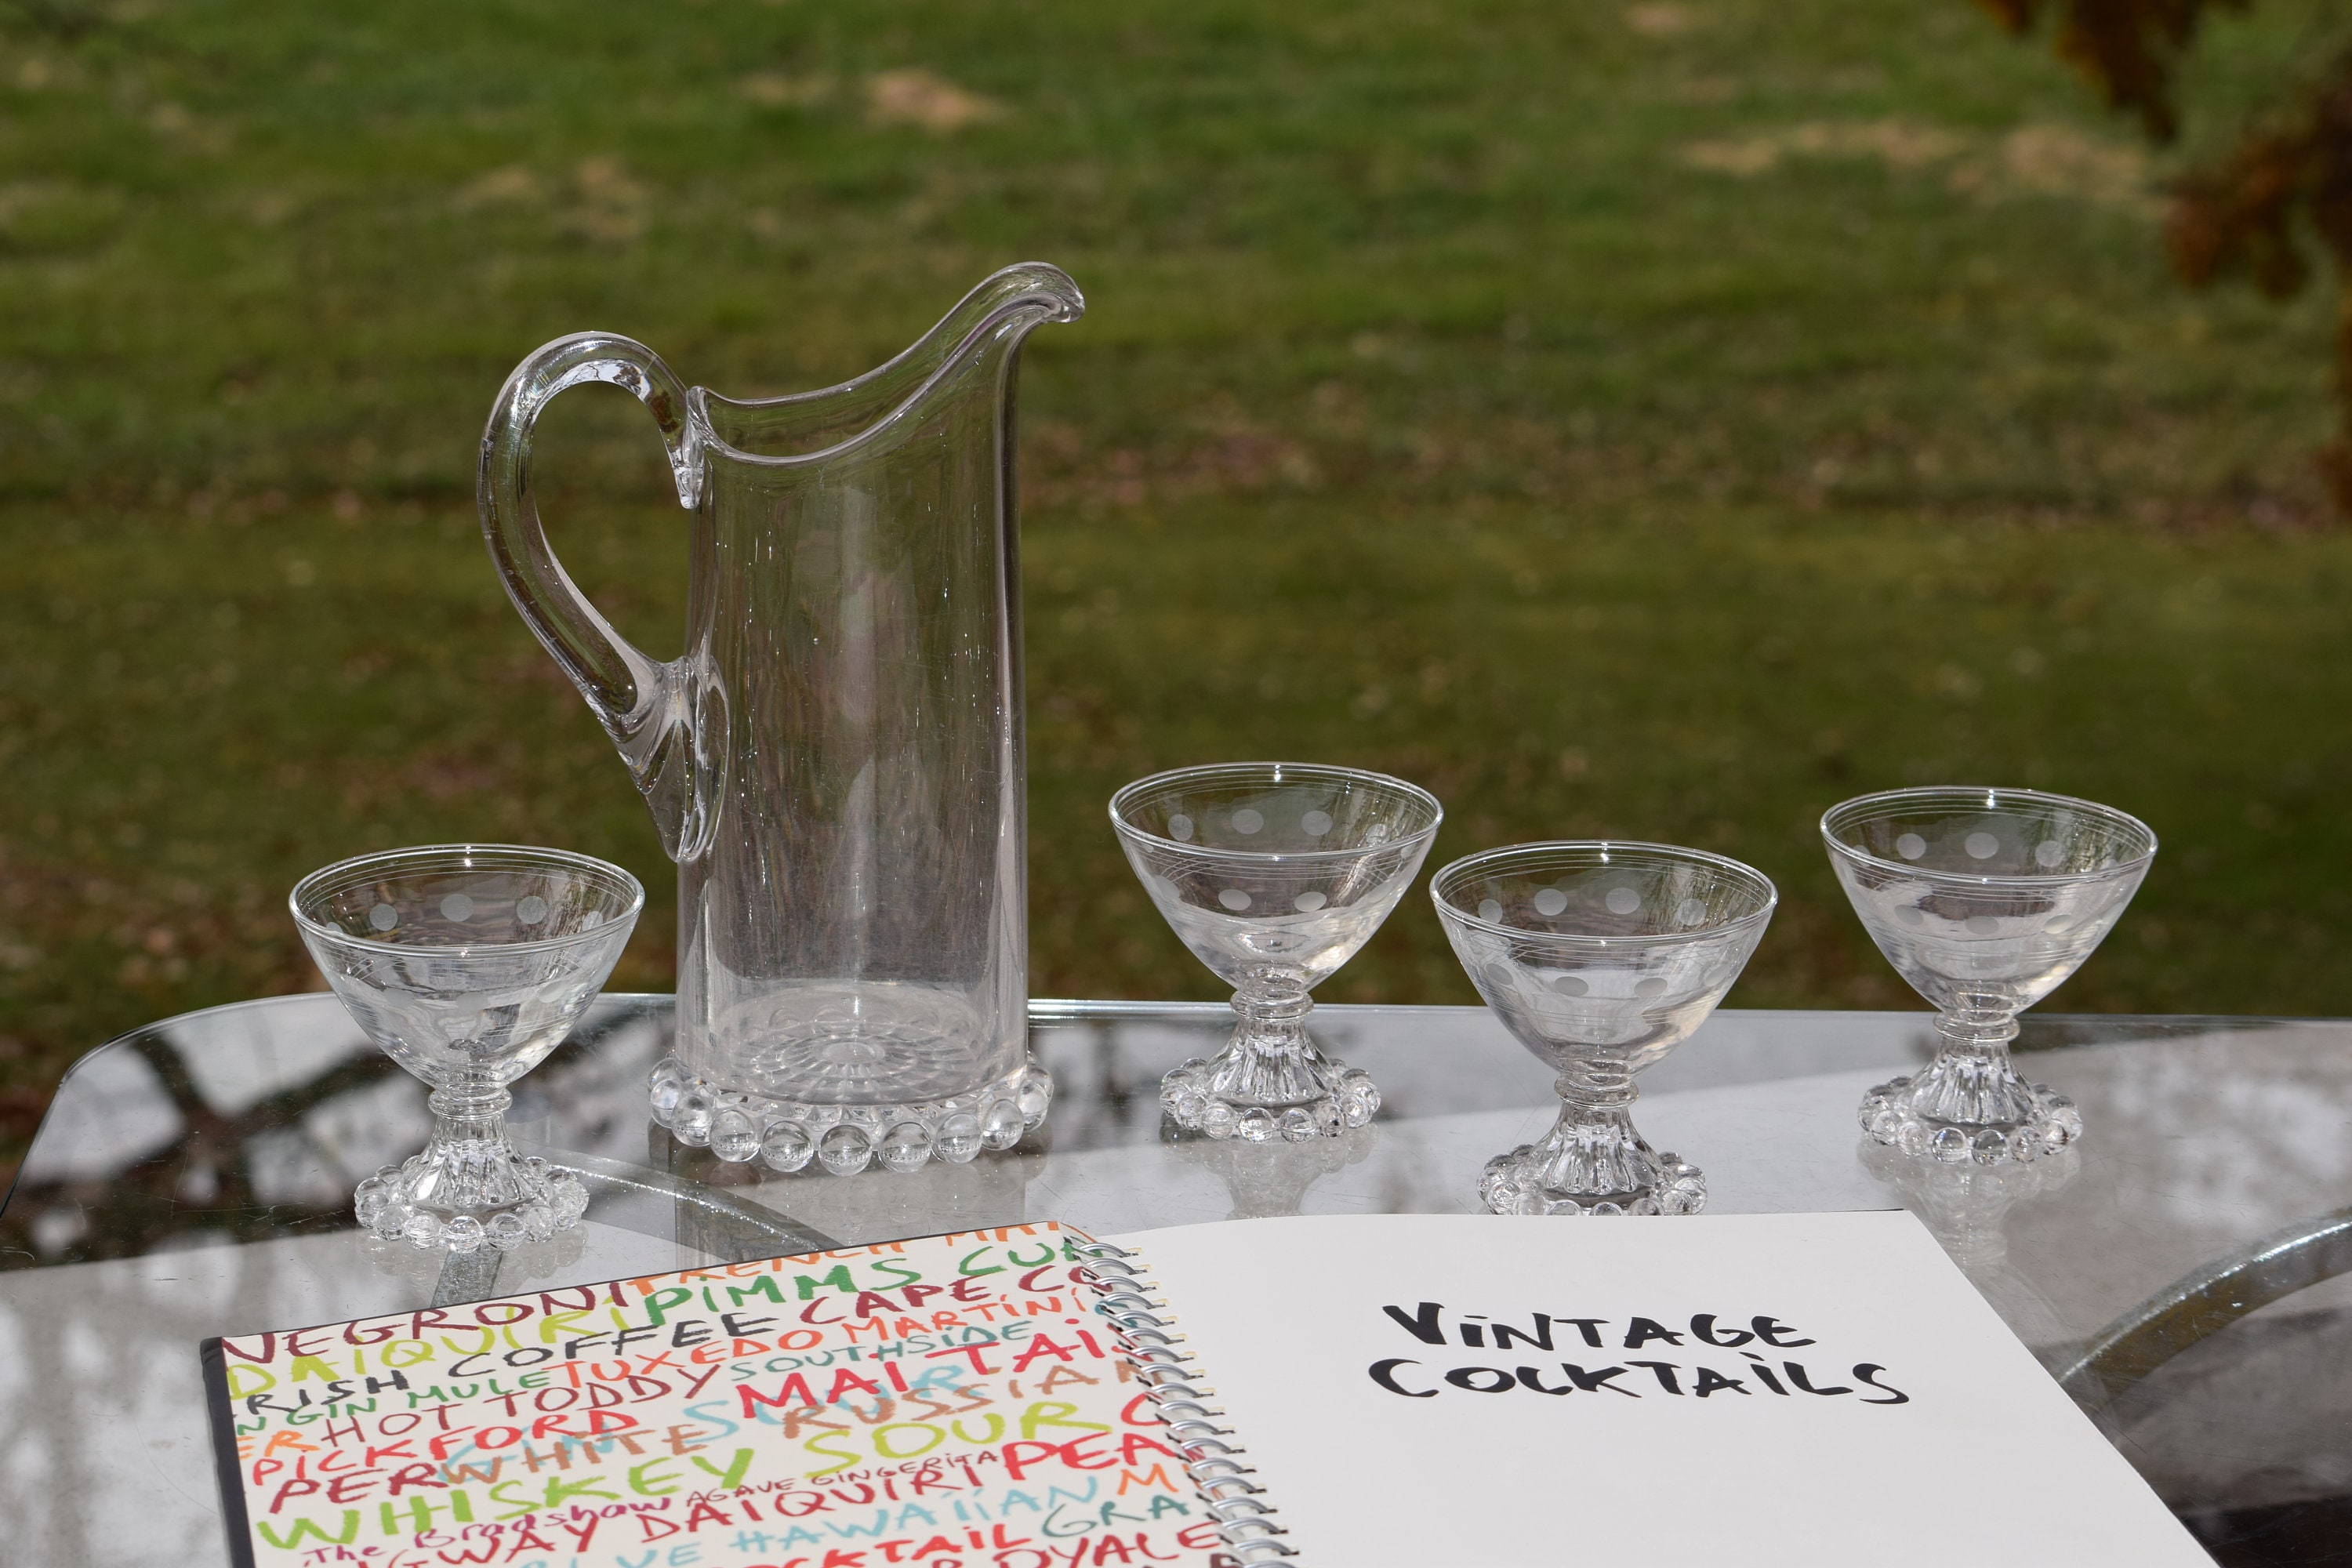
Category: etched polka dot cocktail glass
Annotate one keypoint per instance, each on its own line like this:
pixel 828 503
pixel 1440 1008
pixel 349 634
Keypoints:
pixel 468 963
pixel 1274 873
pixel 1984 900
pixel 1599 958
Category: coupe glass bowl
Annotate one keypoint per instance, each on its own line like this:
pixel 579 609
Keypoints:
pixel 1599 958
pixel 1274 873
pixel 1984 900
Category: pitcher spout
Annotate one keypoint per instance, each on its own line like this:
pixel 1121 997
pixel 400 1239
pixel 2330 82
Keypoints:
pixel 985 331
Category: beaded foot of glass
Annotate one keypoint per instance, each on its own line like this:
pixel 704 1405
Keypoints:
pixel 1963 1109
pixel 792 1135
pixel 1312 1095
pixel 1592 1163
pixel 470 1192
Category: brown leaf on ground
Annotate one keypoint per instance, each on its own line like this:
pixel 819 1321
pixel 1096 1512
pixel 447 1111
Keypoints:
pixel 2040 160
pixel 922 97
pixel 1741 157
pixel 1898 143
pixel 502 187
pixel 612 203
pixel 1660 20
pixel 2058 161
pixel 773 90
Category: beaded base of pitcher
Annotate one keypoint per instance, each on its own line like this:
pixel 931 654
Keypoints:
pixel 795 1135
pixel 1271 1081
pixel 1593 1161
pixel 469 1189
pixel 1970 1105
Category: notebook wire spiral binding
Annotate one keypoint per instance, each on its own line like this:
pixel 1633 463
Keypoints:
pixel 1215 1466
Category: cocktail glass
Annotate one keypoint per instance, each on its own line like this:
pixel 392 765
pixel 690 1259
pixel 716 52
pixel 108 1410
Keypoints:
pixel 1599 958
pixel 468 963
pixel 1274 873
pixel 1984 900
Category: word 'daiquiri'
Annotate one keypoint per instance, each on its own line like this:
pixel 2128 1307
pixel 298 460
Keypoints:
pixel 1757 1359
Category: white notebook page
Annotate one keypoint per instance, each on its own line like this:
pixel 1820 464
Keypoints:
pixel 1983 1459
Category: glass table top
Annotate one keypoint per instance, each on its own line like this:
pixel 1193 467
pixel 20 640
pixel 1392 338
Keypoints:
pixel 2184 1269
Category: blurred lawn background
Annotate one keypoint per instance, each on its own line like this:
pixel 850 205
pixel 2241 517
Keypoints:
pixel 1658 421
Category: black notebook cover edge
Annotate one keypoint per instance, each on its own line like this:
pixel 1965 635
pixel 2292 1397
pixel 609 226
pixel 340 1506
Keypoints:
pixel 230 1474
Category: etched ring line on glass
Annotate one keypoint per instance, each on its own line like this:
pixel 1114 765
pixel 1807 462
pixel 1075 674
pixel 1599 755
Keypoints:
pixel 1274 873
pixel 1599 958
pixel 835 761
pixel 1984 900
pixel 468 963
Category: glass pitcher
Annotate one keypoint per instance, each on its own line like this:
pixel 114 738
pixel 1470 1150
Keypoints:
pixel 835 761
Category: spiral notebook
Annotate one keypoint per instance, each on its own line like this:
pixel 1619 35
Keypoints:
pixel 1345 1392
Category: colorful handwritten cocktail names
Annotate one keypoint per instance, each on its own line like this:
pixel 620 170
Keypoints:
pixel 944 1402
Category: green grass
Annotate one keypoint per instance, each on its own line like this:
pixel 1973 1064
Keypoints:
pixel 1658 421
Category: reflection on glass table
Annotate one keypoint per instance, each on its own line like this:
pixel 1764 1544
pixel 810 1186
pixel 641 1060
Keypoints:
pixel 2184 1270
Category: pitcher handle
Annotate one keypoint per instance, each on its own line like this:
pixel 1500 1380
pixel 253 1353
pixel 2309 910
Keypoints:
pixel 653 710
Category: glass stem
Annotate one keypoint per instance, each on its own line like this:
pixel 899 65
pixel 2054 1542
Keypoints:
pixel 471 1109
pixel 1273 1007
pixel 1597 1088
pixel 1979 1035
pixel 1272 1059
pixel 1593 1149
pixel 471 1166
pixel 1971 1083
